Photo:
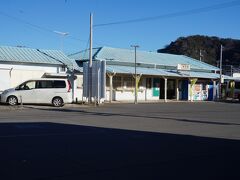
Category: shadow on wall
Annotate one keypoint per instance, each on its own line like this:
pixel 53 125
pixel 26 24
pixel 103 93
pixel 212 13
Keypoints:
pixel 65 152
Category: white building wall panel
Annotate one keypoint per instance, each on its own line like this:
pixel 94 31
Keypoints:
pixel 12 75
pixel 144 95
pixel 48 69
pixel 78 88
pixel 4 79
pixel 19 76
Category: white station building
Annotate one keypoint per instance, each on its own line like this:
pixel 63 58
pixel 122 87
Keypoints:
pixel 160 76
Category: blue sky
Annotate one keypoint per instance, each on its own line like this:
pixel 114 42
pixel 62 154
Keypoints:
pixel 31 23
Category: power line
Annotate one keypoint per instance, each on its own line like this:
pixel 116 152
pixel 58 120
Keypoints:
pixel 37 26
pixel 25 22
pixel 87 46
pixel 176 14
pixel 41 27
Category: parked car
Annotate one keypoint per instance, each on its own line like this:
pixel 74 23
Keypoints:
pixel 40 91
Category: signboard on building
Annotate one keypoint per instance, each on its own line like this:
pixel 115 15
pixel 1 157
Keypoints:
pixel 183 67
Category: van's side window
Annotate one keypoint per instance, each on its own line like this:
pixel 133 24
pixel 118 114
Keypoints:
pixel 44 84
pixel 59 84
pixel 28 85
pixel 50 84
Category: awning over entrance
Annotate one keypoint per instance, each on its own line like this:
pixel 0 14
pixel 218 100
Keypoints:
pixel 160 72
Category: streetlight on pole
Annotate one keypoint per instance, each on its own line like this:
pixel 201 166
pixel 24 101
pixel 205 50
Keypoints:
pixel 135 50
pixel 62 34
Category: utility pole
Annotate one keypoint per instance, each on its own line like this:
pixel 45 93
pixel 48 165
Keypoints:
pixel 90 62
pixel 135 49
pixel 200 55
pixel 220 83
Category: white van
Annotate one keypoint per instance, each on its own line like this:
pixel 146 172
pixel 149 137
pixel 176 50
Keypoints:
pixel 40 91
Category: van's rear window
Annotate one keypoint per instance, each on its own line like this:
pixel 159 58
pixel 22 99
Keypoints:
pixel 51 84
pixel 59 84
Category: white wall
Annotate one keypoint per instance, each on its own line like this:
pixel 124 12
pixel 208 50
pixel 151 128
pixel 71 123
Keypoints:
pixel 144 95
pixel 31 67
pixel 150 95
pixel 13 75
pixel 78 88
pixel 4 79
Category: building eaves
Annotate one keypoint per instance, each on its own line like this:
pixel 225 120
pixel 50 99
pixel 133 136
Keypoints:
pixel 160 72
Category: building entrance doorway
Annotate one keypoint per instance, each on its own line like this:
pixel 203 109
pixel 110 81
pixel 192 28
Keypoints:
pixel 183 89
pixel 171 89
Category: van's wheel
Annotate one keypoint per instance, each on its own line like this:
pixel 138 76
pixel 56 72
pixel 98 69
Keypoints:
pixel 12 100
pixel 57 102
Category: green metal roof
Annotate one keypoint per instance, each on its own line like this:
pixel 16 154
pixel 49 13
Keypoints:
pixel 36 56
pixel 127 55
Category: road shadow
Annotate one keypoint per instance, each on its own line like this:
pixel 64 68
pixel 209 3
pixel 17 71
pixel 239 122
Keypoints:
pixel 50 151
pixel 108 114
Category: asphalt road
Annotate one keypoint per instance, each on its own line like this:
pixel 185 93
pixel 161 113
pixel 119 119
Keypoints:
pixel 121 141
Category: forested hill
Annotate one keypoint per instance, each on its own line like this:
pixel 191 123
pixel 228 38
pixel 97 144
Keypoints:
pixel 210 49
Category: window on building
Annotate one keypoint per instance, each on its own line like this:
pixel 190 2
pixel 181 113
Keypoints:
pixel 128 82
pixel 204 86
pixel 237 85
pixel 149 83
pixel 171 84
pixel 79 81
pixel 63 69
pixel 107 81
pixel 117 82
pixel 141 83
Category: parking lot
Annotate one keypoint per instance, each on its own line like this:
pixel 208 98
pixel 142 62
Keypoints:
pixel 121 141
